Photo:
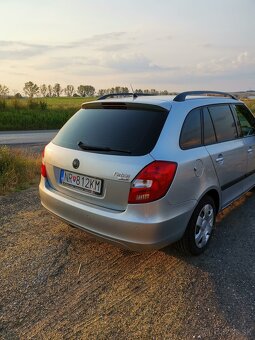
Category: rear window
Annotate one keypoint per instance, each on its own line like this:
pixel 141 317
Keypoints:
pixel 135 132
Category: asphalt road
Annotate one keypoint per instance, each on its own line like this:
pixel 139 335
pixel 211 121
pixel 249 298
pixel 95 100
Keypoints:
pixel 59 283
pixel 34 137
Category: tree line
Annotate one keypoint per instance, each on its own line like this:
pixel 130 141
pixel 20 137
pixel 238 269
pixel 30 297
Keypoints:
pixel 32 90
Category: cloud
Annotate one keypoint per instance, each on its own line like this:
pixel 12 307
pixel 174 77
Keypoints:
pixel 132 63
pixel 101 63
pixel 16 50
pixel 98 40
pixel 225 65
pixel 114 47
pixel 241 59
pixel 70 62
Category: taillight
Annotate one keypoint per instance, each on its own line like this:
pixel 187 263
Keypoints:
pixel 43 167
pixel 152 182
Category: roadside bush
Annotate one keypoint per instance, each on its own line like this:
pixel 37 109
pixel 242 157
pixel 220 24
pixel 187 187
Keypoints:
pixel 18 169
pixel 32 104
pixel 43 105
pixel 2 104
pixel 16 104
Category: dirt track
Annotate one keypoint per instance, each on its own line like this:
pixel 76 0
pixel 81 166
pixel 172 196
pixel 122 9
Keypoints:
pixel 59 283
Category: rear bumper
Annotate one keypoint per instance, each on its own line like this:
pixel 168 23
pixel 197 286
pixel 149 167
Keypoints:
pixel 140 227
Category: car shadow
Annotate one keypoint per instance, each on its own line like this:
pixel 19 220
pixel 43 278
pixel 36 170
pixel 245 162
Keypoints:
pixel 229 262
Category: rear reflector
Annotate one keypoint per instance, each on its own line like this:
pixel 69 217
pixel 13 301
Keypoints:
pixel 43 167
pixel 152 182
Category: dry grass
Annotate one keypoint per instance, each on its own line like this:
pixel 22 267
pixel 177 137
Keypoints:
pixel 18 169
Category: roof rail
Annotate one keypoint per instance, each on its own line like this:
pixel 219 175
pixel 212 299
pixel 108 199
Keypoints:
pixel 182 96
pixel 125 94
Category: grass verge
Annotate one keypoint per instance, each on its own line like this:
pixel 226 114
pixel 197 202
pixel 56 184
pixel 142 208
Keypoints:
pixel 18 169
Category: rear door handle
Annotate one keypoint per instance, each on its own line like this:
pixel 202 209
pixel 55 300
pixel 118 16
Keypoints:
pixel 220 159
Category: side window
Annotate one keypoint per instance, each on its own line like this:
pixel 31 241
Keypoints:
pixel 246 120
pixel 191 130
pixel 223 122
pixel 209 133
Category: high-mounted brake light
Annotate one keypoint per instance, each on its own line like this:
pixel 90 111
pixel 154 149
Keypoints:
pixel 152 182
pixel 43 167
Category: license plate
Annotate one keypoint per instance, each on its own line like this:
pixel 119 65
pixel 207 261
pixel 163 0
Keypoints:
pixel 82 182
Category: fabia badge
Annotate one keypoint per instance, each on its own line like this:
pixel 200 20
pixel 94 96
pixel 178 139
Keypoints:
pixel 121 176
pixel 76 163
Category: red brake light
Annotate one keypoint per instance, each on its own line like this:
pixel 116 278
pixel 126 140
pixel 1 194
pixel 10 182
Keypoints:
pixel 152 182
pixel 43 167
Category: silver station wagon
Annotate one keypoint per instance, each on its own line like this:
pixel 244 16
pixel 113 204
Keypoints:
pixel 146 171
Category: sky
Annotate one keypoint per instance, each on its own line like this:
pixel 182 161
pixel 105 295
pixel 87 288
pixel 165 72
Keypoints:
pixel 173 45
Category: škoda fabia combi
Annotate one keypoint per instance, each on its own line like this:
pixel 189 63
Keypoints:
pixel 147 171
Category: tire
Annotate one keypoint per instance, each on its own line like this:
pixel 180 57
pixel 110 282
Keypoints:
pixel 197 237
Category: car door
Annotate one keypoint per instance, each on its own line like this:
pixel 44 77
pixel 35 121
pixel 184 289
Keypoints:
pixel 246 122
pixel 228 153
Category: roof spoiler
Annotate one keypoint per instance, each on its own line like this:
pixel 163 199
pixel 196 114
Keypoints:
pixel 125 94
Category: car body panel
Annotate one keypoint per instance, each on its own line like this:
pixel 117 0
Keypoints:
pixel 139 227
pixel 229 160
pixel 116 172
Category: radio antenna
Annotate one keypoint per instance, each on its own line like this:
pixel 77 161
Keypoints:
pixel 134 94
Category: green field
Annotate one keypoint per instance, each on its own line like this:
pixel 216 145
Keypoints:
pixel 39 113
pixel 251 104
pixel 45 113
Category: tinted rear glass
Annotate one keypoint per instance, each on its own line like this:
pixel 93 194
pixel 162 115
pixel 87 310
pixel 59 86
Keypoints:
pixel 191 131
pixel 209 134
pixel 135 131
pixel 224 123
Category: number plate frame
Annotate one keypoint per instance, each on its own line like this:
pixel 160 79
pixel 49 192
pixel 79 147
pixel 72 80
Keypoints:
pixel 88 184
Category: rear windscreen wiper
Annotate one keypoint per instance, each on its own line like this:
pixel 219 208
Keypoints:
pixel 84 146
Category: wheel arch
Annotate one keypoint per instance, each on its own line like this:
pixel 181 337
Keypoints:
pixel 214 194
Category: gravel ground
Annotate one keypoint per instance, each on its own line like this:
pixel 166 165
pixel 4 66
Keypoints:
pixel 59 283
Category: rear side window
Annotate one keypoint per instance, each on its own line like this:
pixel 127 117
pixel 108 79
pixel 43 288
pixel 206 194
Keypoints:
pixel 209 133
pixel 120 131
pixel 191 130
pixel 246 120
pixel 224 123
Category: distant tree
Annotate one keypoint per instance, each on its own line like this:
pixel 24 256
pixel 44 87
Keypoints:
pixel 4 90
pixel 43 90
pixel 50 91
pixel 153 91
pixel 89 91
pixel 86 90
pixel 75 95
pixel 101 92
pixel 120 89
pixel 17 95
pixel 81 90
pixel 69 90
pixel 30 89
pixel 57 90
pixel 164 93
pixel 138 91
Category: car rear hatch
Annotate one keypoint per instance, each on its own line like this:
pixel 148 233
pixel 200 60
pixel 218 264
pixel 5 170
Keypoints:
pixel 99 151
